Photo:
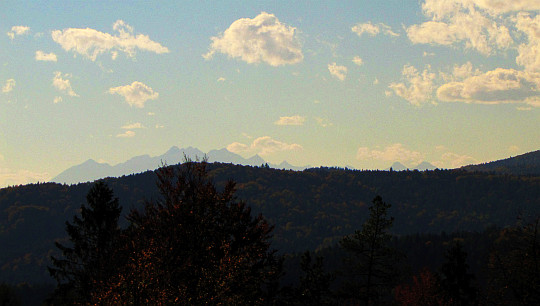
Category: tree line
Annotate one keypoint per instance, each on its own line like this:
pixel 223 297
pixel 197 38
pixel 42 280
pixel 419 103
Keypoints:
pixel 197 245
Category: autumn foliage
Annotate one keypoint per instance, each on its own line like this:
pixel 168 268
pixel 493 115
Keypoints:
pixel 194 245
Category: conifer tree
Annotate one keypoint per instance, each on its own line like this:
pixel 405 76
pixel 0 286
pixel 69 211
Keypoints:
pixel 195 245
pixel 515 265
pixel 88 258
pixel 314 288
pixel 456 281
pixel 372 268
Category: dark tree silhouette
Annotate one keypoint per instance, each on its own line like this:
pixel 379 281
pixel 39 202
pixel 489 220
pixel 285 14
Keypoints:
pixel 314 287
pixel 456 281
pixel 92 237
pixel 515 266
pixel 373 263
pixel 8 297
pixel 195 245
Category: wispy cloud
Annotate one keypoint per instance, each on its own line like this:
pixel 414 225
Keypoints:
pixel 10 84
pixel 453 160
pixel 261 39
pixel 420 86
pixel 340 72
pixel 10 177
pixel 373 29
pixel 46 57
pixel 358 61
pixel 63 84
pixel 292 120
pixel 126 134
pixel 135 94
pixel 136 125
pixel 91 43
pixel 17 30
pixel 263 145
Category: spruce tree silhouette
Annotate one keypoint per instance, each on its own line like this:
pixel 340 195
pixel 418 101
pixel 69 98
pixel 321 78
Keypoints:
pixel 456 281
pixel 92 238
pixel 372 268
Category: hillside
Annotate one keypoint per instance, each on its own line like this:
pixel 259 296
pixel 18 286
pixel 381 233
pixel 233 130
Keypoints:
pixel 525 164
pixel 310 209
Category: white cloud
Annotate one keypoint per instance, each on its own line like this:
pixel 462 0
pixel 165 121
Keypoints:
pixel 358 61
pixel 323 122
pixel 126 134
pixel 11 177
pixel 10 84
pixel 464 71
pixel 460 21
pixel 57 99
pixel 136 125
pixel 63 85
pixel 506 6
pixel 237 147
pixel 17 30
pixel 263 145
pixel 47 57
pixel 396 152
pixel 453 160
pixel 91 43
pixel 292 120
pixel 135 94
pixel 261 39
pixel 339 72
pixel 373 29
pixel 529 53
pixel 494 87
pixel 420 85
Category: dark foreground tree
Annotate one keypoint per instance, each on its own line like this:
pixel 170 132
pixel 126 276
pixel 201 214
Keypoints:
pixel 314 286
pixel 457 283
pixel 8 297
pixel 88 258
pixel 515 266
pixel 193 246
pixel 373 267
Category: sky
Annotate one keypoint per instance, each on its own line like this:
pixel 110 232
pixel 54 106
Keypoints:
pixel 358 84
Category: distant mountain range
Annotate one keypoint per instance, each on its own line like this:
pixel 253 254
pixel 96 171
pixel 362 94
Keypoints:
pixel 423 166
pixel 91 170
pixel 524 164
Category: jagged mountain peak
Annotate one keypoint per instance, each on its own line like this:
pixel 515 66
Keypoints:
pixel 91 170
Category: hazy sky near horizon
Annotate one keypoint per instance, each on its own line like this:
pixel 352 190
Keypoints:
pixel 334 83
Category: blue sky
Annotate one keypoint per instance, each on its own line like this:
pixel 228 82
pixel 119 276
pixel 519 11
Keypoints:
pixel 335 83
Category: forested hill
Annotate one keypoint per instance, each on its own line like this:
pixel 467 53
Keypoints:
pixel 525 164
pixel 310 209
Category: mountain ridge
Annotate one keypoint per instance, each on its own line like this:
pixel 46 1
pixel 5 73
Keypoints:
pixel 90 170
pixel 523 164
